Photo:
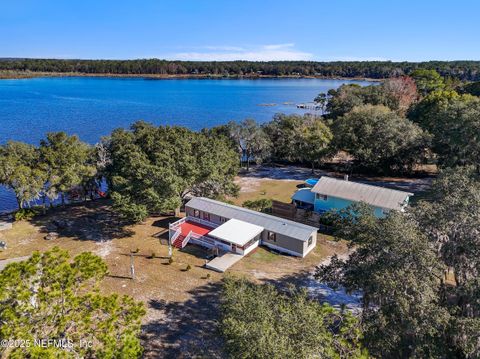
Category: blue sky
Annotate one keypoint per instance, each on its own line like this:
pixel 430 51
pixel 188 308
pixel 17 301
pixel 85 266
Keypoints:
pixel 323 30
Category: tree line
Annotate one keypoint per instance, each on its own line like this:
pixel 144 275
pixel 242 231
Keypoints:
pixel 463 70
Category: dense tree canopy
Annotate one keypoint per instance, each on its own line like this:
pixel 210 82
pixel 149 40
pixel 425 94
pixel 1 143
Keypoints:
pixel 379 139
pixel 251 141
pixel 295 138
pixel 259 322
pixel 454 122
pixel 19 171
pixel 428 80
pixel 60 163
pixel 464 70
pixel 153 168
pixel 399 275
pixel 65 161
pixel 472 88
pixel 49 297
pixel 396 93
pixel 347 97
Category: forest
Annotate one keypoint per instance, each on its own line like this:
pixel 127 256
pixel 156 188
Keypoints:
pixel 462 70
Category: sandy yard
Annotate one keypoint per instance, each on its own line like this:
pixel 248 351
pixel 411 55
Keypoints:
pixel 182 306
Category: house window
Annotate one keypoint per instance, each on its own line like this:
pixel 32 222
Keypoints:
pixel 206 216
pixel 323 197
pixel 310 240
pixel 272 236
pixel 196 213
pixel 223 220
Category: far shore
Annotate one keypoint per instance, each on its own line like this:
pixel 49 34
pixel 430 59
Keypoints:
pixel 12 75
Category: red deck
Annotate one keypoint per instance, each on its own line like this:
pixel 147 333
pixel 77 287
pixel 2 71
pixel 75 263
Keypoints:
pixel 188 226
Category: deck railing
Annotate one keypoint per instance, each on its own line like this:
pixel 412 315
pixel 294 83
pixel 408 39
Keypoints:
pixel 186 239
pixel 203 222
pixel 174 225
pixel 201 238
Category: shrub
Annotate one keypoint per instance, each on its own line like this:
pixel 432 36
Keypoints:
pixel 26 214
pixel 170 260
pixel 188 267
pixel 152 255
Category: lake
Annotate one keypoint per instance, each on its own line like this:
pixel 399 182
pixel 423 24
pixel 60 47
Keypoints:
pixel 92 107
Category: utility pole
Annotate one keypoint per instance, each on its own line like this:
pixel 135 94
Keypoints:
pixel 132 267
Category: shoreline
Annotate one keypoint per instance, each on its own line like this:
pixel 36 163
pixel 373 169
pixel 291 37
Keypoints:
pixel 18 75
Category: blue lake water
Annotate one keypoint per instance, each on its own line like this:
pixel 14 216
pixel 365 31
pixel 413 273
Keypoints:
pixel 93 107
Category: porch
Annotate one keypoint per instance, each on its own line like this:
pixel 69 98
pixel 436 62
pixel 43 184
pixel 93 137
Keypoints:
pixel 231 236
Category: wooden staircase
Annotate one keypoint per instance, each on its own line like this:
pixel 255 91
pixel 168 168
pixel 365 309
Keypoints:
pixel 178 242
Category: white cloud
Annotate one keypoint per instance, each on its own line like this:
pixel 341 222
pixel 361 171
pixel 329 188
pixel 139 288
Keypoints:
pixel 278 46
pixel 271 52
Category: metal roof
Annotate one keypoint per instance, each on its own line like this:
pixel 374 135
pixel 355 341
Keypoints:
pixel 270 223
pixel 236 232
pixel 359 192
pixel 304 195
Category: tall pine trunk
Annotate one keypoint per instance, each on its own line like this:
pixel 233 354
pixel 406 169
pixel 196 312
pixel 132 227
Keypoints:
pixel 19 202
pixel 44 203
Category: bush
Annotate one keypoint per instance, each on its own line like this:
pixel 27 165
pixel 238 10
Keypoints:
pixel 26 214
pixel 188 267
pixel 170 260
pixel 152 255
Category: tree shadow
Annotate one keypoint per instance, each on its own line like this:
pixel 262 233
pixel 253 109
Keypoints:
pixel 93 221
pixel 196 251
pixel 186 329
pixel 165 221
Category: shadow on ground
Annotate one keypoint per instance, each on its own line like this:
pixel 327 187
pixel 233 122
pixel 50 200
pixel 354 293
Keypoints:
pixel 186 329
pixel 94 221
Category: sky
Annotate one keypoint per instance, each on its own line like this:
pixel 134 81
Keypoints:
pixel 257 30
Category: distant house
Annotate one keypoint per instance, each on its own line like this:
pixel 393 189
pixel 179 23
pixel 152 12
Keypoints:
pixel 238 230
pixel 335 194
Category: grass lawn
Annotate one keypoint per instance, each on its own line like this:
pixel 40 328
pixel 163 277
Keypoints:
pixel 253 188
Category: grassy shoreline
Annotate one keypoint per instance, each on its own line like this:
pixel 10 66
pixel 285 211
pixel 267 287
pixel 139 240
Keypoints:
pixel 14 75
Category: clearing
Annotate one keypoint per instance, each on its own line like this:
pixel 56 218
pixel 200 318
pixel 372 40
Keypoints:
pixel 182 305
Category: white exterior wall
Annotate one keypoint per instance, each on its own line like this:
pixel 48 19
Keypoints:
pixel 249 249
pixel 307 248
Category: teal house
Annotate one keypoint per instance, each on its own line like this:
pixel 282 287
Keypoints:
pixel 335 194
